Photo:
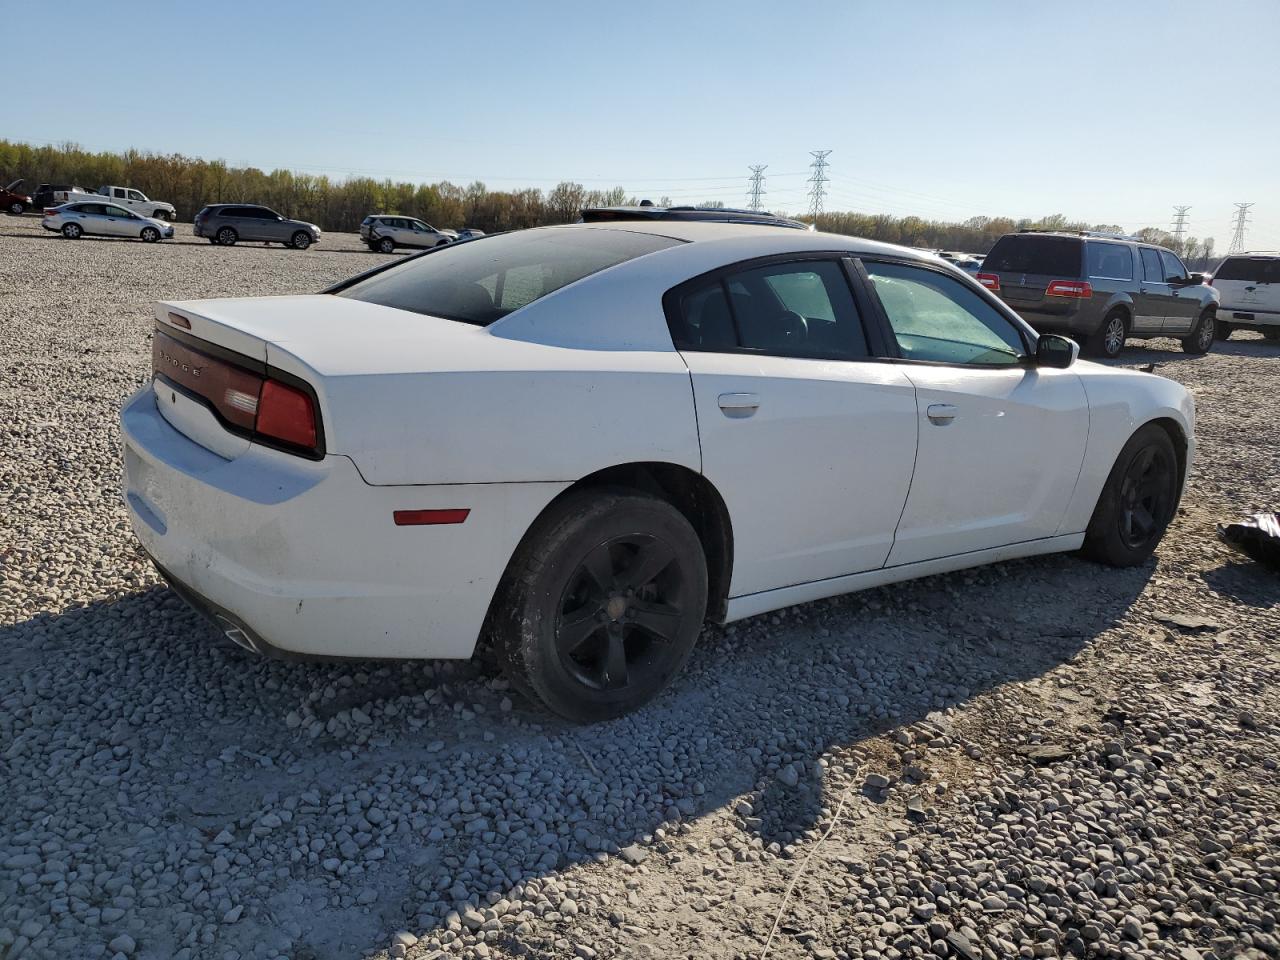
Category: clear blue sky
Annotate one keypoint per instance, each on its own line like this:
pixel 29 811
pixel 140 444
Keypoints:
pixel 1105 111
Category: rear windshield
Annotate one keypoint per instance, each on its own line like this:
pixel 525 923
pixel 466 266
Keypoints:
pixel 1021 253
pixel 483 281
pixel 1257 269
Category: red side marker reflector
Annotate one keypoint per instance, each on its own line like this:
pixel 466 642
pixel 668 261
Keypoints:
pixel 414 518
pixel 178 320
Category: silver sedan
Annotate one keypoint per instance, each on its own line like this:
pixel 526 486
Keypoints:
pixel 75 220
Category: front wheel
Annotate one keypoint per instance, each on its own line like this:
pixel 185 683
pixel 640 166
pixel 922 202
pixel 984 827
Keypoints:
pixel 301 240
pixel 17 208
pixel 150 234
pixel 1200 339
pixel 162 215
pixel 1109 338
pixel 441 243
pixel 72 231
pixel 1137 502
pixel 1272 335
pixel 601 605
pixel 386 245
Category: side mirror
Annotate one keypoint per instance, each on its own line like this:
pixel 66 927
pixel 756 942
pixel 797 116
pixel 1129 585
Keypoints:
pixel 1055 351
pixel 1198 278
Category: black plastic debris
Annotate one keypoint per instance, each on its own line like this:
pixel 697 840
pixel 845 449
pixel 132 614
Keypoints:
pixel 1257 538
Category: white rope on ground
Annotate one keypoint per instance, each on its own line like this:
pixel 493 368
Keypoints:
pixel 835 819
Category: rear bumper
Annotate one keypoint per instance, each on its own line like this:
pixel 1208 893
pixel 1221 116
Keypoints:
pixel 1074 323
pixel 302 558
pixel 1249 316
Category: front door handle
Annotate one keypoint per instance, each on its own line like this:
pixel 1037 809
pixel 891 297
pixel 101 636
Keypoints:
pixel 738 404
pixel 940 414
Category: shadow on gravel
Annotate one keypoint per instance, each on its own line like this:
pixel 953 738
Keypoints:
pixel 412 789
pixel 1245 582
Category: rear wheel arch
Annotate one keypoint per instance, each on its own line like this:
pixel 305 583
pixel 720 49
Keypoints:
pixel 693 495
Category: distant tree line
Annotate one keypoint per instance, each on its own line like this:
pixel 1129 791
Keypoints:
pixel 189 184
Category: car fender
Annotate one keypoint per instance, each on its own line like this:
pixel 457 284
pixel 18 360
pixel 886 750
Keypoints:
pixel 1120 402
pixel 502 411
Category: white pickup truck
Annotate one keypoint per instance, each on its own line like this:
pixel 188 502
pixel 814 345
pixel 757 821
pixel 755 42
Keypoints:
pixel 134 200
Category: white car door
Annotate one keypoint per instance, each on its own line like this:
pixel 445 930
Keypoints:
pixel 1001 439
pixel 810 441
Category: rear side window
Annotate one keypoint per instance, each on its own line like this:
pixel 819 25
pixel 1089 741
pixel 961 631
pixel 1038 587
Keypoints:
pixel 483 282
pixel 1251 269
pixel 797 309
pixel 1027 253
pixel 1109 261
pixel 1151 269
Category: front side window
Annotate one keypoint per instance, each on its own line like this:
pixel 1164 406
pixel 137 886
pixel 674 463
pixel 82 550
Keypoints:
pixel 1110 261
pixel 1172 266
pixel 935 317
pixel 135 195
pixel 796 309
pixel 483 282
pixel 1152 271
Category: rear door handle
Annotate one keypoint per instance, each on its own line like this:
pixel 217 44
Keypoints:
pixel 738 404
pixel 941 414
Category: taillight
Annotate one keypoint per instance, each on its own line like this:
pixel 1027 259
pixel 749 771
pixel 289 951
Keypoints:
pixel 1077 289
pixel 287 414
pixel 989 280
pixel 50 211
pixel 248 402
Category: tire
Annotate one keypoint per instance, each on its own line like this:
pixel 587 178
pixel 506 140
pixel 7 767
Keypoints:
pixel 17 208
pixel 1137 502
pixel 386 245
pixel 1108 340
pixel 441 243
pixel 227 237
pixel 1222 331
pixel 1272 335
pixel 594 645
pixel 150 234
pixel 300 240
pixel 1201 337
pixel 213 239
pixel 72 231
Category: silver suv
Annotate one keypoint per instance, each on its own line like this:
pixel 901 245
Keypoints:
pixel 1101 289
pixel 228 223
pixel 384 232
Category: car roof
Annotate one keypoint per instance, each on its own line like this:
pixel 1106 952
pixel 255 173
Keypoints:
pixel 1254 253
pixel 767 237
pixel 686 213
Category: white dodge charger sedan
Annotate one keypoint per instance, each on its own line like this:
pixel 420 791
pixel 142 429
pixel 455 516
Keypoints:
pixel 579 443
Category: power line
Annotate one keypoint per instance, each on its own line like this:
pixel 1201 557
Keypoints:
pixel 756 189
pixel 1179 224
pixel 819 180
pixel 1239 220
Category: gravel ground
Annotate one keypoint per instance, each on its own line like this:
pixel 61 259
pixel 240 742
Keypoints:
pixel 1035 759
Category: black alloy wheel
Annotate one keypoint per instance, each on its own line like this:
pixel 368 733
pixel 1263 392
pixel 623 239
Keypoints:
pixel 1137 502
pixel 601 604
pixel 622 608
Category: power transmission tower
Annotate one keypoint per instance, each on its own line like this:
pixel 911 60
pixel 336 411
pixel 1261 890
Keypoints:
pixel 1179 225
pixel 756 189
pixel 1241 218
pixel 819 180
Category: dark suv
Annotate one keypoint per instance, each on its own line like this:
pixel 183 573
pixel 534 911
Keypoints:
pixel 647 211
pixel 226 223
pixel 1101 289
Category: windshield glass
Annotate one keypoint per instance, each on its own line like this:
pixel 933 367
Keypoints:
pixel 1255 269
pixel 482 282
